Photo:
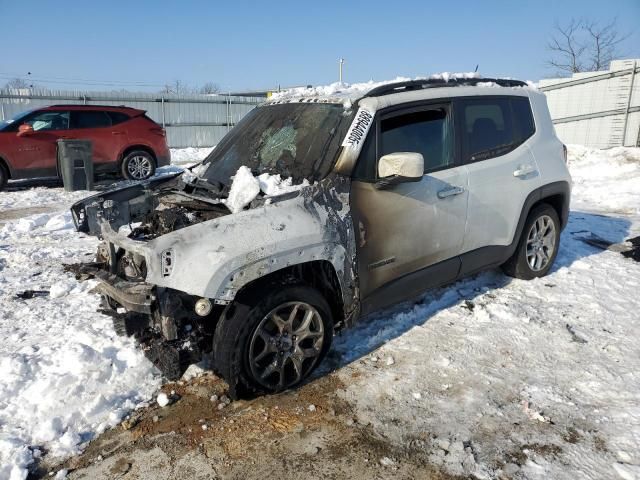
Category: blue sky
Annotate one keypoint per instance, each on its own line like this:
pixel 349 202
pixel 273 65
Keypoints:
pixel 248 45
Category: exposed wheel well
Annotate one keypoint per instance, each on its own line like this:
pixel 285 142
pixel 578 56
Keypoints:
pixel 558 203
pixel 318 274
pixel 5 166
pixel 132 148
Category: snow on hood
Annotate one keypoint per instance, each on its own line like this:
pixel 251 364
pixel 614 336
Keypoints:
pixel 245 188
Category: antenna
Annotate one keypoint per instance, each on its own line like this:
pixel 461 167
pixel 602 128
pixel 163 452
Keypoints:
pixel 476 67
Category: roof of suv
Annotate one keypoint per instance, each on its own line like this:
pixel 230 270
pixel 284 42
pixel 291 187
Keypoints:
pixel 108 108
pixel 345 93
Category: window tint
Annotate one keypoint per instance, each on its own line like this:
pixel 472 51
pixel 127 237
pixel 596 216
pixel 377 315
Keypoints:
pixel 82 119
pixel 522 118
pixel 426 132
pixel 44 121
pixel 487 128
pixel 118 117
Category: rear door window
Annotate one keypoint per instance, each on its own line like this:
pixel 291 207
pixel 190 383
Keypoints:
pixel 487 128
pixel 90 119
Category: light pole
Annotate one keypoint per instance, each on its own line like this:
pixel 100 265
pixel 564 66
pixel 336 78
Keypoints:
pixel 341 64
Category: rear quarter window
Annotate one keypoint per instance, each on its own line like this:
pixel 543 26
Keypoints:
pixel 522 118
pixel 118 117
pixel 89 119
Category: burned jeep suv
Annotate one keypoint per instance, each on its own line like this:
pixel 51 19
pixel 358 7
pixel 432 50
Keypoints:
pixel 316 210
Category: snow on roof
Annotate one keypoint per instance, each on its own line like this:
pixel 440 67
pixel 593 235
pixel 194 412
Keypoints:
pixel 345 92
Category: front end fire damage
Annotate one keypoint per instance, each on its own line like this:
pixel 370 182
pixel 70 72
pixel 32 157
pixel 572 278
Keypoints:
pixel 173 257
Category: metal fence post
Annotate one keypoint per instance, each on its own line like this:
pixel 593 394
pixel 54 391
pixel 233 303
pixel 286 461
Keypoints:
pixel 228 111
pixel 626 115
pixel 2 110
pixel 162 104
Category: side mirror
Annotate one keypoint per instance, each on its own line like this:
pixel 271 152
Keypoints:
pixel 400 167
pixel 25 129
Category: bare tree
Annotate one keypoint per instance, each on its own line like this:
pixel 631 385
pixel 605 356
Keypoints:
pixel 209 88
pixel 604 41
pixel 177 87
pixel 567 48
pixel 17 83
pixel 584 46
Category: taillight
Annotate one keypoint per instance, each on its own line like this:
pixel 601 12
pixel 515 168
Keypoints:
pixel 564 151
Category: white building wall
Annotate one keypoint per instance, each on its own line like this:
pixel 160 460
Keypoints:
pixel 591 108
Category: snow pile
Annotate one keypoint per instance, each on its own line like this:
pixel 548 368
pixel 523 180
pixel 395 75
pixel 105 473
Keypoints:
pixel 38 197
pixel 189 156
pixel 272 185
pixel 605 180
pixel 245 188
pixel 65 374
pixel 354 90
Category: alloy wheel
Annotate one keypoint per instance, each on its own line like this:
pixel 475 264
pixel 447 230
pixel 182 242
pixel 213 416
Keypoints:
pixel 139 167
pixel 286 345
pixel 541 243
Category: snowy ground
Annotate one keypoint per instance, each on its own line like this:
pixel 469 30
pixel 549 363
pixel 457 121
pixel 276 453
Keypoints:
pixel 489 377
pixel 64 373
pixel 500 377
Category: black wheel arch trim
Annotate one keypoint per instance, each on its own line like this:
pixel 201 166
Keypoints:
pixel 494 255
pixel 4 163
pixel 561 188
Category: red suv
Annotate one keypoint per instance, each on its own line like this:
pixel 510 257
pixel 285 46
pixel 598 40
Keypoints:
pixel 124 140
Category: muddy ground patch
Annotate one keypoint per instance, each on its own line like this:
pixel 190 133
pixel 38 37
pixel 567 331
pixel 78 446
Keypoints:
pixel 306 433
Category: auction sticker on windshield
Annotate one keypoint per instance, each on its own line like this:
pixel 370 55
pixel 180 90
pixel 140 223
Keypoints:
pixel 359 129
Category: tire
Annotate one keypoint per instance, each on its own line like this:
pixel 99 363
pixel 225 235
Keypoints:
pixel 4 176
pixel 542 247
pixel 138 165
pixel 248 342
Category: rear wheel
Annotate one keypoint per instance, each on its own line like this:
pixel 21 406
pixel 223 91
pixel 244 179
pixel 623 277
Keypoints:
pixel 138 165
pixel 272 341
pixel 4 176
pixel 538 245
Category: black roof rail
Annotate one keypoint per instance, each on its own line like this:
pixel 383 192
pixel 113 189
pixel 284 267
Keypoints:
pixel 89 105
pixel 410 85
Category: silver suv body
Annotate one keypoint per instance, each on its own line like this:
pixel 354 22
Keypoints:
pixel 409 186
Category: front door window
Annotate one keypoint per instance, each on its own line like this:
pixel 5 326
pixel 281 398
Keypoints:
pixel 46 121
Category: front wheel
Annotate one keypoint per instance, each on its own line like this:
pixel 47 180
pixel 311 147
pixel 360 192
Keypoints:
pixel 272 341
pixel 538 245
pixel 138 165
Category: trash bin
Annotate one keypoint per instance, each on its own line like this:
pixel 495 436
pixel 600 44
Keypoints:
pixel 75 163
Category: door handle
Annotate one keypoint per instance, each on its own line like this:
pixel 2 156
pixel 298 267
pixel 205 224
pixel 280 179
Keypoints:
pixel 450 192
pixel 117 133
pixel 524 170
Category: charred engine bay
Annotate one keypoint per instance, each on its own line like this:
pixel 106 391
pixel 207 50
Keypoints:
pixel 175 210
